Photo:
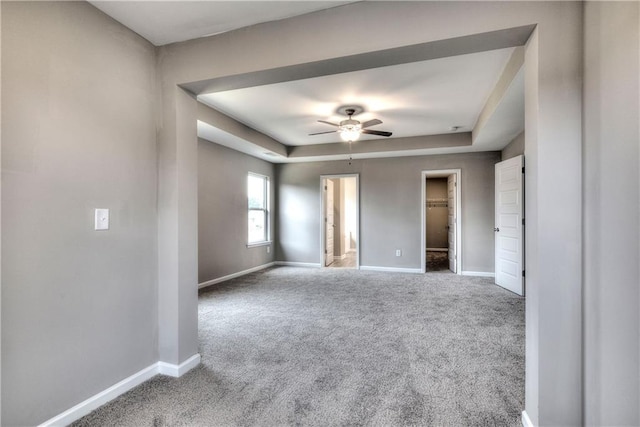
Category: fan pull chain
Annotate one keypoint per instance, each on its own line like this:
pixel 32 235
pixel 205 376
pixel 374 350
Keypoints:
pixel 350 158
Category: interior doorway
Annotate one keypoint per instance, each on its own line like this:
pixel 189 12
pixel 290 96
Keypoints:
pixel 340 221
pixel 437 224
pixel 441 221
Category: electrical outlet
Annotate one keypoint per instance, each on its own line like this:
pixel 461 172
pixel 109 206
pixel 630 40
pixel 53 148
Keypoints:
pixel 398 252
pixel 268 249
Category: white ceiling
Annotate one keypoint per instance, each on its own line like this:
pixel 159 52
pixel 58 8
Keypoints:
pixel 164 22
pixel 507 121
pixel 420 98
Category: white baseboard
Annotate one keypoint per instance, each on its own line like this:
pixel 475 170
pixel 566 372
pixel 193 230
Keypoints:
pixel 177 371
pixel 478 273
pixel 526 421
pixel 94 402
pixel 438 249
pixel 298 264
pixel 234 275
pixel 391 269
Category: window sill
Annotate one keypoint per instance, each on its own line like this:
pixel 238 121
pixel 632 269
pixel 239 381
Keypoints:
pixel 256 244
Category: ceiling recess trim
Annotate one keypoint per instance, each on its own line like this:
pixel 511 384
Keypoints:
pixel 500 39
pixel 257 144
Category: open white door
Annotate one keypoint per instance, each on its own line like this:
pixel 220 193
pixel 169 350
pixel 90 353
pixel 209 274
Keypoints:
pixel 328 222
pixel 509 236
pixel 451 203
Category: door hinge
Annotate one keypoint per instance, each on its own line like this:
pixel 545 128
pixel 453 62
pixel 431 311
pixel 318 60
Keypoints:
pixel 523 169
pixel 325 187
pixel 325 251
pixel 523 273
pixel 522 221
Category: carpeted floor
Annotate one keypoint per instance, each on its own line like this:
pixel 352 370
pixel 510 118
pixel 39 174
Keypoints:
pixel 330 347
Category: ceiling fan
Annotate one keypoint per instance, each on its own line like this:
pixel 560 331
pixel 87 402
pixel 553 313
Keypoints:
pixel 350 129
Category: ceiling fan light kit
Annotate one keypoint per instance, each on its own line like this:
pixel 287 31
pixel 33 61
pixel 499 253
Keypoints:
pixel 351 129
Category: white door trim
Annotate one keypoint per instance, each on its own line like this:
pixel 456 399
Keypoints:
pixel 441 173
pixel 330 220
pixel 322 208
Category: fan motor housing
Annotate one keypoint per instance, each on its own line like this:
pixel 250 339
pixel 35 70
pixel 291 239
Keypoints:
pixel 350 110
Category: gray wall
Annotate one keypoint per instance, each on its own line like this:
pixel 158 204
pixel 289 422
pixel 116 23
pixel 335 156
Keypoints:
pixel 222 211
pixel 436 231
pixel 0 220
pixel 79 307
pixel 515 147
pixel 553 84
pixel 553 122
pixel 390 211
pixel 611 212
pixel 553 211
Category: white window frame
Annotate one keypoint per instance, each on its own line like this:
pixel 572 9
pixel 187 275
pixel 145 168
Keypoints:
pixel 267 210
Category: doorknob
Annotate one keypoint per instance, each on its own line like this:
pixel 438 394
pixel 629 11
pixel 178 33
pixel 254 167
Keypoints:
pixel 496 229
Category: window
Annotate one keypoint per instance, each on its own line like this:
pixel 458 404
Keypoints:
pixel 258 197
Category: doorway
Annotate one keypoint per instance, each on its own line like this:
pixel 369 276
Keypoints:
pixel 340 221
pixel 437 224
pixel 441 221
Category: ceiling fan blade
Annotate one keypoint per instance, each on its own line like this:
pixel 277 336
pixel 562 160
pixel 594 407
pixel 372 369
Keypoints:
pixel 328 123
pixel 376 132
pixel 320 133
pixel 372 122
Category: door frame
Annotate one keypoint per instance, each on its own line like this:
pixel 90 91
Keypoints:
pixel 322 209
pixel 441 173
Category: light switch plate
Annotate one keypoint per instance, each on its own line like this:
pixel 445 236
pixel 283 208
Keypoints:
pixel 102 219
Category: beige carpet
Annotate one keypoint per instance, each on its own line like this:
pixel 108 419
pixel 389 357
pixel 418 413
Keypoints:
pixel 333 347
